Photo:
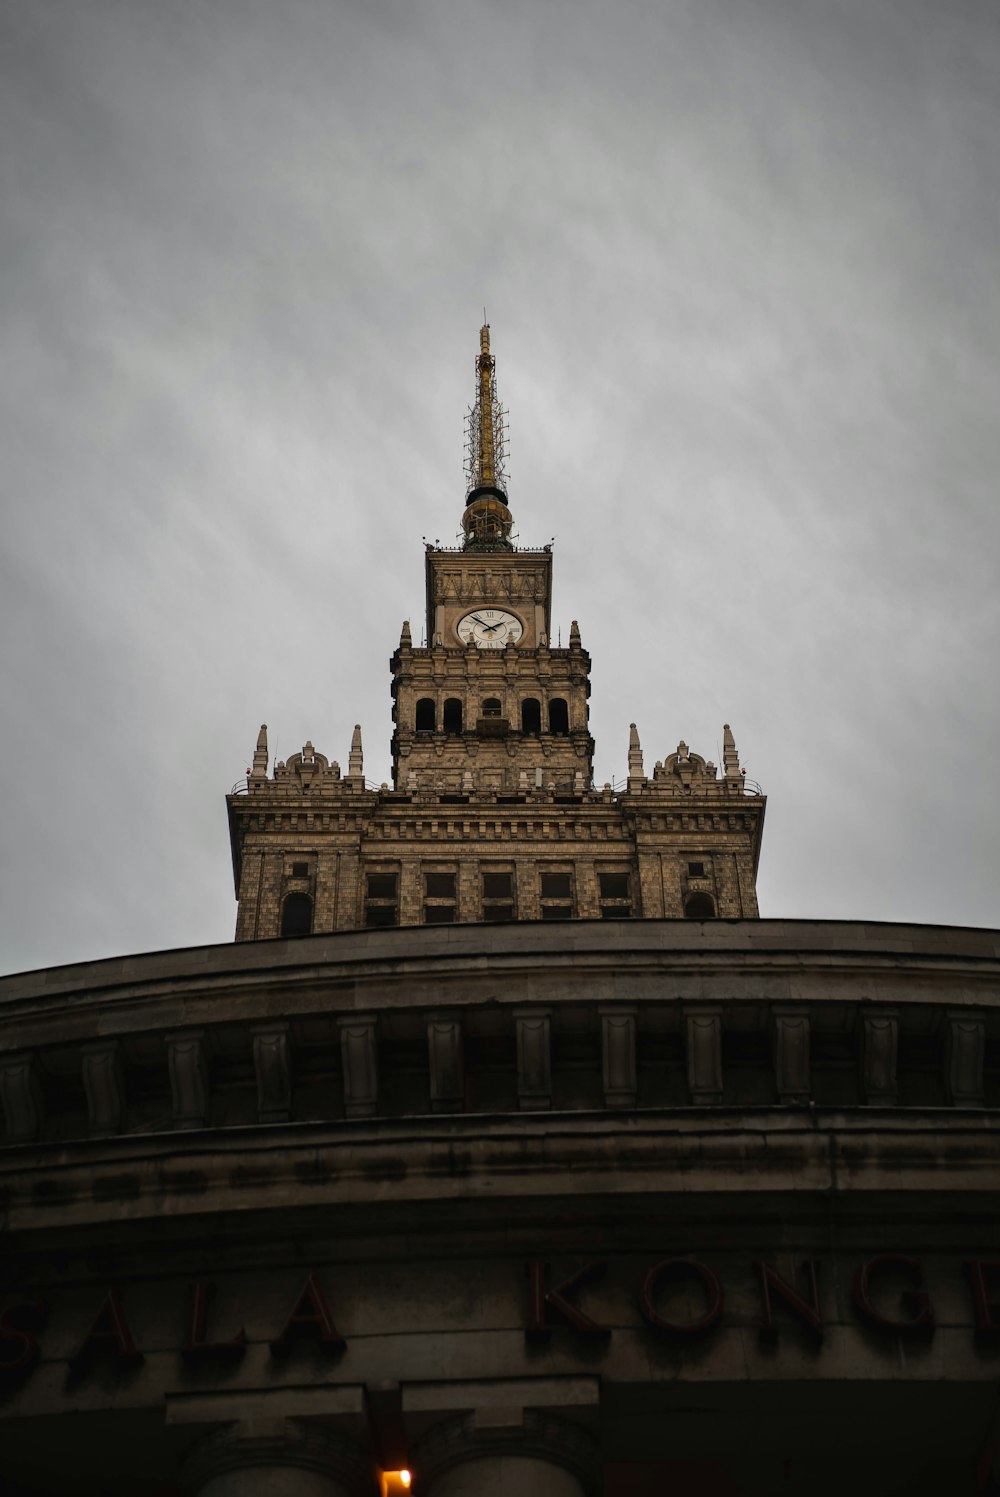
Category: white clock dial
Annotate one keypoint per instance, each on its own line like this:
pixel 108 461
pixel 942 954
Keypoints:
pixel 490 628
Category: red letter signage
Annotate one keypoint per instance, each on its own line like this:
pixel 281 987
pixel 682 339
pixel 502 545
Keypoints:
pixel 922 1320
pixel 979 1271
pixel 808 1313
pixel 542 1301
pixel 196 1346
pixel 109 1333
pixel 675 1268
pixel 310 1313
pixel 18 1346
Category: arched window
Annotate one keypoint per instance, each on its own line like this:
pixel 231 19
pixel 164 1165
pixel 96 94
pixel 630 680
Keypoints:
pixel 297 915
pixel 425 715
pixel 699 907
pixel 453 715
pixel 531 715
pixel 558 716
pixel 491 707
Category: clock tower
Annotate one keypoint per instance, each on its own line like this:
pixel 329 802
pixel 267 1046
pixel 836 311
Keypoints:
pixel 488 704
pixel 492 814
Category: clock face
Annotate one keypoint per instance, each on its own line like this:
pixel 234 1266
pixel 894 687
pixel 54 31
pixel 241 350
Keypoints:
pixel 490 628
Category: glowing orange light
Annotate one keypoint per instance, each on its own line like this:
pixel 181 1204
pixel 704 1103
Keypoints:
pixel 394 1483
pixel 405 1478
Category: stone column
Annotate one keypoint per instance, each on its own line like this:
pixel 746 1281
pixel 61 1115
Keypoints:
pixel 277 1458
pixel 497 1454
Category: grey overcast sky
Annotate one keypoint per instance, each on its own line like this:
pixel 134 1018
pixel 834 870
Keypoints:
pixel 742 264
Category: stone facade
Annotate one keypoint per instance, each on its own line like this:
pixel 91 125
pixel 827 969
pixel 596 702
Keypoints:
pixel 570 1208
pixel 488 1159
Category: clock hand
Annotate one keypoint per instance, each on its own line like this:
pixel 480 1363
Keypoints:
pixel 477 620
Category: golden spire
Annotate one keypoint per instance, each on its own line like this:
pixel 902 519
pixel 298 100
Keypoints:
pixel 487 520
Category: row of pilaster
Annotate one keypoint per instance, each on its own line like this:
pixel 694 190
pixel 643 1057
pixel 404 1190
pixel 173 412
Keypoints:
pixel 103 1071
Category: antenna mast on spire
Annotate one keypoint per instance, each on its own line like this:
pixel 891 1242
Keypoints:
pixel 487 520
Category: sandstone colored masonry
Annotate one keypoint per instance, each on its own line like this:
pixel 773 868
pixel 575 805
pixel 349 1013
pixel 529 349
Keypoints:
pixel 492 814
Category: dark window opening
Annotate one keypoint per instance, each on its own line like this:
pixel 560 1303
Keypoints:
pixel 491 707
pixel 616 912
pixel 531 715
pixel 453 715
pixel 297 915
pixel 498 895
pixel 300 870
pixel 426 716
pixel 696 870
pixel 614 885
pixel 557 912
pixel 377 915
pixel 556 886
pixel 382 903
pixel 700 907
pixel 558 716
pixel 439 898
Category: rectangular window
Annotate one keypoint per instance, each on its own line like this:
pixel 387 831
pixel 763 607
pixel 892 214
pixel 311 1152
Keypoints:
pixel 696 870
pixel 498 886
pixel 439 914
pixel 300 870
pixel 382 899
pixel 498 896
pixel 557 896
pixel 382 885
pixel 439 898
pixel 616 895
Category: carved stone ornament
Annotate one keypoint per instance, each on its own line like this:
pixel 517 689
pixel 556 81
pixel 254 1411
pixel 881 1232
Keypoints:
pixel 541 1437
pixel 269 1446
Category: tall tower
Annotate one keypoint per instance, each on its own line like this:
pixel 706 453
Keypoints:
pixel 492 814
pixel 489 704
